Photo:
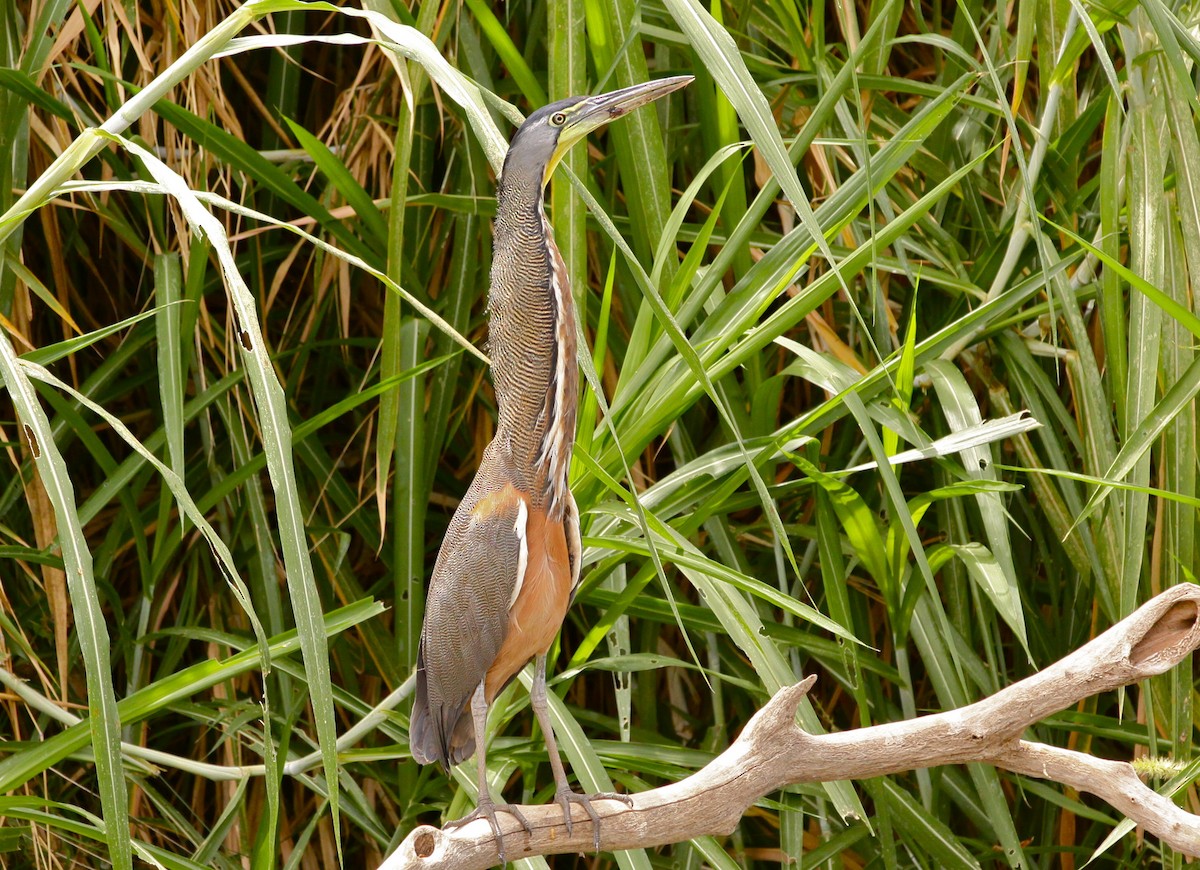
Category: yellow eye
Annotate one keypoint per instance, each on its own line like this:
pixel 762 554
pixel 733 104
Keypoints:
pixel 558 119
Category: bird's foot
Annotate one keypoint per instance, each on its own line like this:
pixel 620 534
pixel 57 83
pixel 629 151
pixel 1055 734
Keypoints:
pixel 487 809
pixel 564 797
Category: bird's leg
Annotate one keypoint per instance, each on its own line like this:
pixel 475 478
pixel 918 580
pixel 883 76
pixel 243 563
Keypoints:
pixel 485 806
pixel 563 794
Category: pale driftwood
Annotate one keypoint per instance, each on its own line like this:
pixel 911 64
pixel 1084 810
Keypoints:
pixel 773 752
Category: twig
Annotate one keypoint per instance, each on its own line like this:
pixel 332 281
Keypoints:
pixel 773 752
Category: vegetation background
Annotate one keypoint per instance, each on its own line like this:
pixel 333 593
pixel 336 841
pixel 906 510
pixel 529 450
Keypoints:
pixel 238 416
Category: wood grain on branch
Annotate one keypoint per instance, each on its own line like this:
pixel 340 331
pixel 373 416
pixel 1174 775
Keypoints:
pixel 773 752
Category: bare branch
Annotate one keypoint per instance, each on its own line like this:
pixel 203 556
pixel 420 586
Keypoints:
pixel 1114 781
pixel 773 752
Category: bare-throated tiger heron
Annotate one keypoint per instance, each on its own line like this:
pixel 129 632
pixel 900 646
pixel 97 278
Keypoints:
pixel 509 564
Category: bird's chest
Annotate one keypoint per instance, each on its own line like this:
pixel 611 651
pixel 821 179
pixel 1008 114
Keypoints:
pixel 539 602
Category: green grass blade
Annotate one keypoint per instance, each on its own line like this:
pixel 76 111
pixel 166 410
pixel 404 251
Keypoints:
pixel 277 444
pixel 104 724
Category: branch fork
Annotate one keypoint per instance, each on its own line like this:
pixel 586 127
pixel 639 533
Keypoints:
pixel 772 751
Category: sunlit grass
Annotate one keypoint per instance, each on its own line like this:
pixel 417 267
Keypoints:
pixel 258 296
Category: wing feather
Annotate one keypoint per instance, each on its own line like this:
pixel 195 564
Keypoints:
pixel 477 575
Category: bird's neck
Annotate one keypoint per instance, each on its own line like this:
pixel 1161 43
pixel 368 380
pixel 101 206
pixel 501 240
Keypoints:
pixel 532 345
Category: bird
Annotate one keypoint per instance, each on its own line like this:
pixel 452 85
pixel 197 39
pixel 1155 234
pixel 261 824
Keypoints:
pixel 509 565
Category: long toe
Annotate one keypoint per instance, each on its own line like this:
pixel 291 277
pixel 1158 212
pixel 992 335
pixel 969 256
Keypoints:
pixel 612 796
pixel 566 797
pixel 488 810
pixel 512 810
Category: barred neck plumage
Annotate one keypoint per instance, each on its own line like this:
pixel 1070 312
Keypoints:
pixel 532 344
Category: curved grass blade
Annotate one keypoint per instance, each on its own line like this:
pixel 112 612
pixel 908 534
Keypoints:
pixel 22 766
pixel 277 444
pixel 183 498
pixel 104 725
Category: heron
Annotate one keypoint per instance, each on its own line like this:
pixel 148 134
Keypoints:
pixel 509 565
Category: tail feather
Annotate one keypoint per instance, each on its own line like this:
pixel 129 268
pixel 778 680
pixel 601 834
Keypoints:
pixel 462 739
pixel 444 733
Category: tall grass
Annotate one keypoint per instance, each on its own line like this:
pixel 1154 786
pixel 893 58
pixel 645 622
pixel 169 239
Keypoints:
pixel 243 343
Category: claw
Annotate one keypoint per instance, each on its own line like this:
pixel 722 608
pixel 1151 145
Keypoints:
pixel 564 797
pixel 487 809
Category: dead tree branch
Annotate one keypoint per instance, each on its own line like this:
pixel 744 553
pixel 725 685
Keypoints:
pixel 773 752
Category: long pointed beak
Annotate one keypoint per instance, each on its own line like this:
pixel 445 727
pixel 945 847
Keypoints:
pixel 599 110
pixel 595 112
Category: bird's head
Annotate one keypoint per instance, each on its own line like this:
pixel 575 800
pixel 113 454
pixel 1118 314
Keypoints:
pixel 544 138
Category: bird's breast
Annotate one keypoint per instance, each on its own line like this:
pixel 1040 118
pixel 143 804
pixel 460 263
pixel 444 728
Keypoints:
pixel 540 600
